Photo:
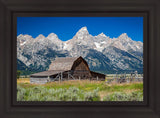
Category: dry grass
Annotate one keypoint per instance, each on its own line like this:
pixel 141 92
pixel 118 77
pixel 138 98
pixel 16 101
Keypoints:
pixel 122 84
pixel 76 83
pixel 105 93
pixel 87 85
pixel 70 82
pixel 23 80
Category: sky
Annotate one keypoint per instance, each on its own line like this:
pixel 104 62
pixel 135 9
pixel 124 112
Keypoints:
pixel 67 27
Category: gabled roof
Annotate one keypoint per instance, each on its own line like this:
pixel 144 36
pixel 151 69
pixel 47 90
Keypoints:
pixel 64 63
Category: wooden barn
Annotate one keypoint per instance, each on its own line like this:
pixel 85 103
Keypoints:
pixel 67 68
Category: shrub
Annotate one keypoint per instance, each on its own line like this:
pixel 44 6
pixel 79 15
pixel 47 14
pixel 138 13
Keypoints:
pixel 41 93
pixel 121 96
pixel 83 93
pixel 92 96
pixel 20 94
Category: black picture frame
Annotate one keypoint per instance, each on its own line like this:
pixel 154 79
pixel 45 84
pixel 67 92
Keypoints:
pixel 9 10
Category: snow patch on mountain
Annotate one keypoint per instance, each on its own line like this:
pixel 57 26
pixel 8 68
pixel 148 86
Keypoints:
pixel 22 43
pixel 98 46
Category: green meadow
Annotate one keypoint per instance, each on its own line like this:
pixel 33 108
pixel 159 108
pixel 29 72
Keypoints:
pixel 79 90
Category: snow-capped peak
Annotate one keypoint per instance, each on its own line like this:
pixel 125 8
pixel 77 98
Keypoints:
pixel 123 36
pixel 19 36
pixel 102 34
pixel 41 36
pixel 27 36
pixel 22 39
pixel 54 38
pixel 52 35
pixel 83 31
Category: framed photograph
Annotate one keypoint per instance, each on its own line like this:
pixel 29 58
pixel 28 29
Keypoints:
pixel 75 65
pixel 79 59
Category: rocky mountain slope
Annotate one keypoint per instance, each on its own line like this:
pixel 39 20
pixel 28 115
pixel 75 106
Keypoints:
pixel 104 54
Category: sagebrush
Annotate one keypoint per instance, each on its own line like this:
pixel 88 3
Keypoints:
pixel 42 93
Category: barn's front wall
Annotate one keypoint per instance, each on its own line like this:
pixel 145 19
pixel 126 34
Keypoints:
pixel 80 69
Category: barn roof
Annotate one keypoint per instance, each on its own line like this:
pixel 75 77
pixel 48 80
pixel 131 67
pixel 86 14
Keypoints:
pixel 64 63
pixel 47 73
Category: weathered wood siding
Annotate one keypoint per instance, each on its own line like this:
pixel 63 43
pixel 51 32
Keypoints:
pixel 40 80
pixel 80 69
pixel 36 80
pixel 97 76
pixel 80 65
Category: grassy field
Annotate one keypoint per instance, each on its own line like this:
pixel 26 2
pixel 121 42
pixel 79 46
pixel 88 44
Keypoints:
pixel 75 90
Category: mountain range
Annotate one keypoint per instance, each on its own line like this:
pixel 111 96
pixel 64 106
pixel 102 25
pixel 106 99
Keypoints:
pixel 102 53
